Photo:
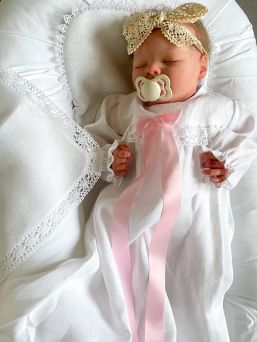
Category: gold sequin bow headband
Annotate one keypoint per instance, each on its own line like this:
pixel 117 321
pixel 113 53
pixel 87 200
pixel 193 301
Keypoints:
pixel 140 25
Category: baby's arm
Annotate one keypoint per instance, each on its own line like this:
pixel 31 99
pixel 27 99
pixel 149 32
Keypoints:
pixel 108 129
pixel 235 145
pixel 122 158
pixel 213 168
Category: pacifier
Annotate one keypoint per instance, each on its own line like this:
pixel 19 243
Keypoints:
pixel 155 89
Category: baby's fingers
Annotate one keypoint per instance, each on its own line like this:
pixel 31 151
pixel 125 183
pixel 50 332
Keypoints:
pixel 124 154
pixel 213 168
pixel 205 157
pixel 120 169
pixel 212 164
pixel 121 155
pixel 216 176
pixel 122 161
pixel 215 172
pixel 217 179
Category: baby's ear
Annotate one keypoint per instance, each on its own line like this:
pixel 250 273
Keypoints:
pixel 204 66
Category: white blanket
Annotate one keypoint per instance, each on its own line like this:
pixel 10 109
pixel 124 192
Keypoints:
pixel 48 165
pixel 57 293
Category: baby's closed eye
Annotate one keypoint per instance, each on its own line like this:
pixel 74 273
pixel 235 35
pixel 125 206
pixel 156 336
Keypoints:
pixel 141 66
pixel 171 61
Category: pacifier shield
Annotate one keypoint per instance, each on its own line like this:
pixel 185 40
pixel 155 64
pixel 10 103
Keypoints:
pixel 155 89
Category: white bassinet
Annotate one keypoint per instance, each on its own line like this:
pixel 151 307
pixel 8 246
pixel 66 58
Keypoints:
pixel 57 61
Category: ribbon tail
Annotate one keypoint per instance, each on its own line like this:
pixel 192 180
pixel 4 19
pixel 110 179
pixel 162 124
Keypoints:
pixel 160 240
pixel 120 232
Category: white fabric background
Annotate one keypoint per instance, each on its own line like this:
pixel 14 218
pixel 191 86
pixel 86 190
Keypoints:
pixel 48 165
pixel 28 32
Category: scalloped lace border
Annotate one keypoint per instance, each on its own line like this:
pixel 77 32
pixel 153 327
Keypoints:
pixel 120 5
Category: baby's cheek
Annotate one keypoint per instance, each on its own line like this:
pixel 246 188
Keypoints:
pixel 135 75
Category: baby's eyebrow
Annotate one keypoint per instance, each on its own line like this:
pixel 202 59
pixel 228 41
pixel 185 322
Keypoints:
pixel 171 53
pixel 140 63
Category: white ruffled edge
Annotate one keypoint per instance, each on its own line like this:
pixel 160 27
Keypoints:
pixel 108 159
pixel 37 234
pixel 120 5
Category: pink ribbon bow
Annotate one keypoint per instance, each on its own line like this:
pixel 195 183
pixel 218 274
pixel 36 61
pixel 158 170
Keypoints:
pixel 156 139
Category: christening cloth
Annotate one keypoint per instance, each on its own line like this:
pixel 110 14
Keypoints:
pixel 198 267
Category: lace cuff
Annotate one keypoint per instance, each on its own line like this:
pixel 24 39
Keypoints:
pixel 107 172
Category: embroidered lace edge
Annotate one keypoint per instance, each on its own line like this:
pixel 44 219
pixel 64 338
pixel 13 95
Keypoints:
pixel 63 29
pixel 37 234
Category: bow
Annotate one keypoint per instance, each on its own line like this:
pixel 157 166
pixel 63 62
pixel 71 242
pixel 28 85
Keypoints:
pixel 140 25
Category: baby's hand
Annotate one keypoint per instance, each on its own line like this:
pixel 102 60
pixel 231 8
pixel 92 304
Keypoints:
pixel 122 158
pixel 213 168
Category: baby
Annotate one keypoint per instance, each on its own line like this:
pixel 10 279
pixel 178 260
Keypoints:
pixel 163 233
pixel 185 66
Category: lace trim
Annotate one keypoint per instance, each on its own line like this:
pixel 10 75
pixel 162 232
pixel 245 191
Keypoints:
pixel 183 134
pixel 118 5
pixel 107 173
pixel 108 156
pixel 59 48
pixel 37 234
pixel 111 177
pixel 190 135
pixel 38 98
pixel 140 25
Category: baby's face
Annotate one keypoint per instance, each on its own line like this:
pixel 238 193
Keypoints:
pixel 184 66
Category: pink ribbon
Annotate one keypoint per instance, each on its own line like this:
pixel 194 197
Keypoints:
pixel 156 139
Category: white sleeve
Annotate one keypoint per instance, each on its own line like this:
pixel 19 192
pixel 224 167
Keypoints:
pixel 108 130
pixel 236 144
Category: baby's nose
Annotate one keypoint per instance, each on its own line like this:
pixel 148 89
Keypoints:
pixel 153 70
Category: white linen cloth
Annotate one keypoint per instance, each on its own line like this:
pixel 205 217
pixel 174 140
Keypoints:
pixel 28 36
pixel 48 165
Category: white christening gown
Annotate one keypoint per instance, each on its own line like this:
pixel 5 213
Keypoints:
pixel 198 264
